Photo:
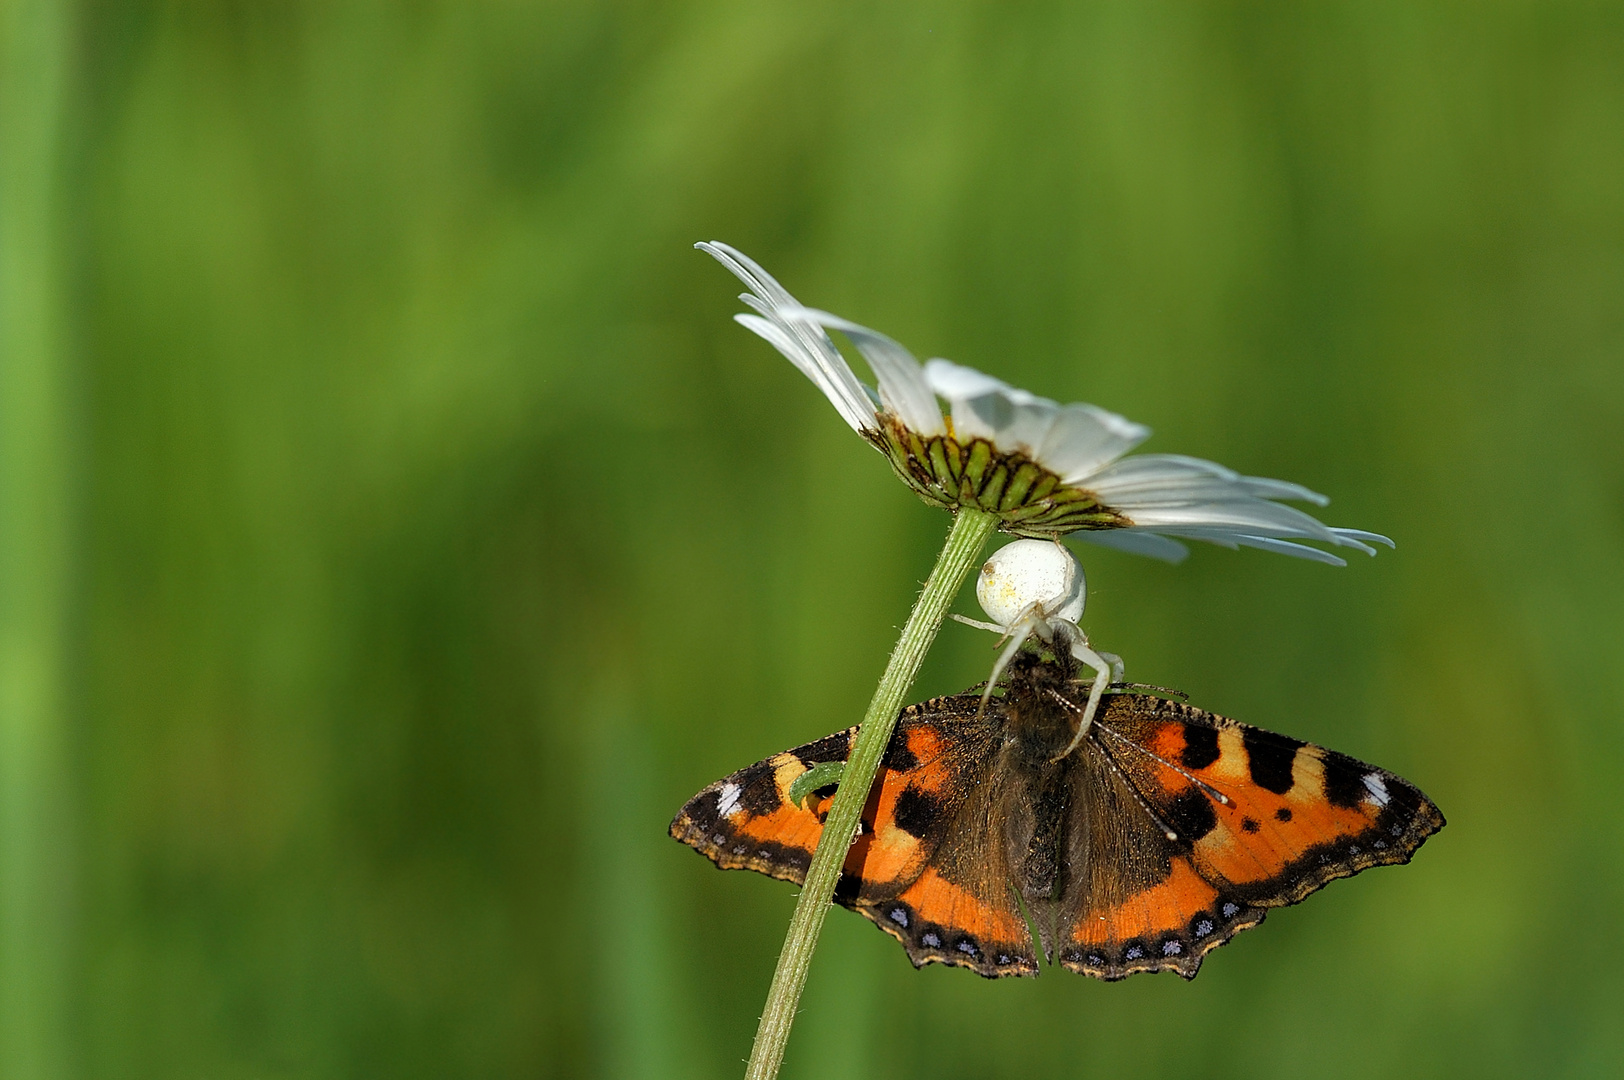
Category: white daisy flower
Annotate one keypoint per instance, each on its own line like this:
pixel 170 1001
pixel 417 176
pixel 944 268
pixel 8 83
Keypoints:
pixel 1044 469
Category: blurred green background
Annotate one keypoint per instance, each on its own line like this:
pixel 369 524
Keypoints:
pixel 397 530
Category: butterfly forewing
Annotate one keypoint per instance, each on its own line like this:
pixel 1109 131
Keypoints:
pixel 1247 820
pixel 917 867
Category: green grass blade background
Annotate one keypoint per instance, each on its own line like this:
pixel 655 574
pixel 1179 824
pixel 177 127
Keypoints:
pixel 424 533
pixel 39 443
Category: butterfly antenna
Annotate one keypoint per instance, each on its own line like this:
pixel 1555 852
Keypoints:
pixel 1210 791
pixel 1167 830
pixel 1126 687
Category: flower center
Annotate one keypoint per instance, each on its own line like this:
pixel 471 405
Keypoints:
pixel 1029 499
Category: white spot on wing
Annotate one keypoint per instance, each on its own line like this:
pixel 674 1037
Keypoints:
pixel 727 801
pixel 1378 790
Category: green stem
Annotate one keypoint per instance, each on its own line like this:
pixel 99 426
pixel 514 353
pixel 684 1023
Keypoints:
pixel 959 554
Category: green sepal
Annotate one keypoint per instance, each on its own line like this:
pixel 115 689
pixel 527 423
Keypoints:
pixel 1026 498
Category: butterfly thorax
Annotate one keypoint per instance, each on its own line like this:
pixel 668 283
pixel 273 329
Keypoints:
pixel 1040 708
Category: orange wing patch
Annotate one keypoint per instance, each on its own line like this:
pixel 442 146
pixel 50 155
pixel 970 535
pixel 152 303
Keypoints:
pixel 1262 833
pixel 1168 927
pixel 940 922
pixel 887 854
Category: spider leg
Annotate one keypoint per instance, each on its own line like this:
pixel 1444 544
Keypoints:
pixel 1118 668
pixel 1102 679
pixel 1017 638
pixel 979 625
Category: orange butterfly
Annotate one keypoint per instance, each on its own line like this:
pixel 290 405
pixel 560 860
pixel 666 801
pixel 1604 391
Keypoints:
pixel 1166 832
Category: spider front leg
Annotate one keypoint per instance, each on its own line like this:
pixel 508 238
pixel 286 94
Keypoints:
pixel 1104 669
pixel 1017 635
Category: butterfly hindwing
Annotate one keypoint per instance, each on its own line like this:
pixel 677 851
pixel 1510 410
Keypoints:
pixel 1244 820
pixel 1134 901
pixel 956 906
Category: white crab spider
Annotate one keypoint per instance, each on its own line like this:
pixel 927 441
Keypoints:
pixel 1037 587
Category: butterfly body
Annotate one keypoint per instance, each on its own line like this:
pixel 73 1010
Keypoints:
pixel 1164 832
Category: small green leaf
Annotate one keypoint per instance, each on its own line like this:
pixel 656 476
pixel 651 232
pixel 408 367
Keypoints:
pixel 820 775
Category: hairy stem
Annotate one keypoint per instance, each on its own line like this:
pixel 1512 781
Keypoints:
pixel 959 554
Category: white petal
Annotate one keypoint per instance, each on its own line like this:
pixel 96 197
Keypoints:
pixel 1344 540
pixel 981 404
pixel 1084 438
pixel 803 342
pixel 1264 488
pixel 1158 545
pixel 1071 440
pixel 1174 477
pixel 1192 499
pixel 903 390
pixel 779 339
pixel 1241 515
pixel 1149 540
pixel 1350 535
pixel 1285 547
pixel 1235 540
pixel 954 381
pixel 1136 542
pixel 1024 425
